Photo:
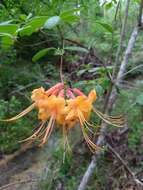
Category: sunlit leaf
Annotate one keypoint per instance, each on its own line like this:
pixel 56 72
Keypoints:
pixel 37 22
pixel 6 22
pixel 8 28
pixel 52 22
pixel 32 25
pixel 108 5
pixel 29 16
pixel 6 34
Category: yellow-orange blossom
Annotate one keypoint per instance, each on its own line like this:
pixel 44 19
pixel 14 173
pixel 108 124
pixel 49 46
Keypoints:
pixel 53 107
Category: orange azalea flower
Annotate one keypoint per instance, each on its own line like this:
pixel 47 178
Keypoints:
pixel 48 112
pixel 67 108
pixel 49 107
pixel 79 110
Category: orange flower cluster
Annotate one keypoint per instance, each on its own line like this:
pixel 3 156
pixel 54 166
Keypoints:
pixel 65 107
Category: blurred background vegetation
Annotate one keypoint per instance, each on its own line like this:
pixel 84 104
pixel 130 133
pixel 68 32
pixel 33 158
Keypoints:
pixel 33 36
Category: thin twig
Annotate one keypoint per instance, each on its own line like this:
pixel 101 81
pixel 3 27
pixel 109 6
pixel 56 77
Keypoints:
pixel 132 174
pixel 61 58
pixel 133 69
pixel 121 160
pixel 22 88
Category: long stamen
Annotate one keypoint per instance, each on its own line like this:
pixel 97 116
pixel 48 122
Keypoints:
pixel 41 133
pixel 93 147
pixel 34 135
pixel 116 121
pixel 48 131
pixel 86 123
pixel 116 118
pixel 23 113
pixel 88 142
pixel 89 124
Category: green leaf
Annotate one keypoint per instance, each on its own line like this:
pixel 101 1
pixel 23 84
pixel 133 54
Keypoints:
pixel 29 16
pixel 32 25
pixel 137 1
pixel 6 22
pixel 70 16
pixel 23 17
pixel 41 54
pixel 101 69
pixel 106 26
pixel 25 31
pixel 76 48
pixel 52 22
pixel 70 12
pixel 6 34
pixel 37 22
pixel 139 99
pixel 8 28
pixel 7 41
pixel 108 5
pixel 104 82
pixel 99 89
pixel 80 72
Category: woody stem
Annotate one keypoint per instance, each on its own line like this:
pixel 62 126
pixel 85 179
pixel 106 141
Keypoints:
pixel 61 69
